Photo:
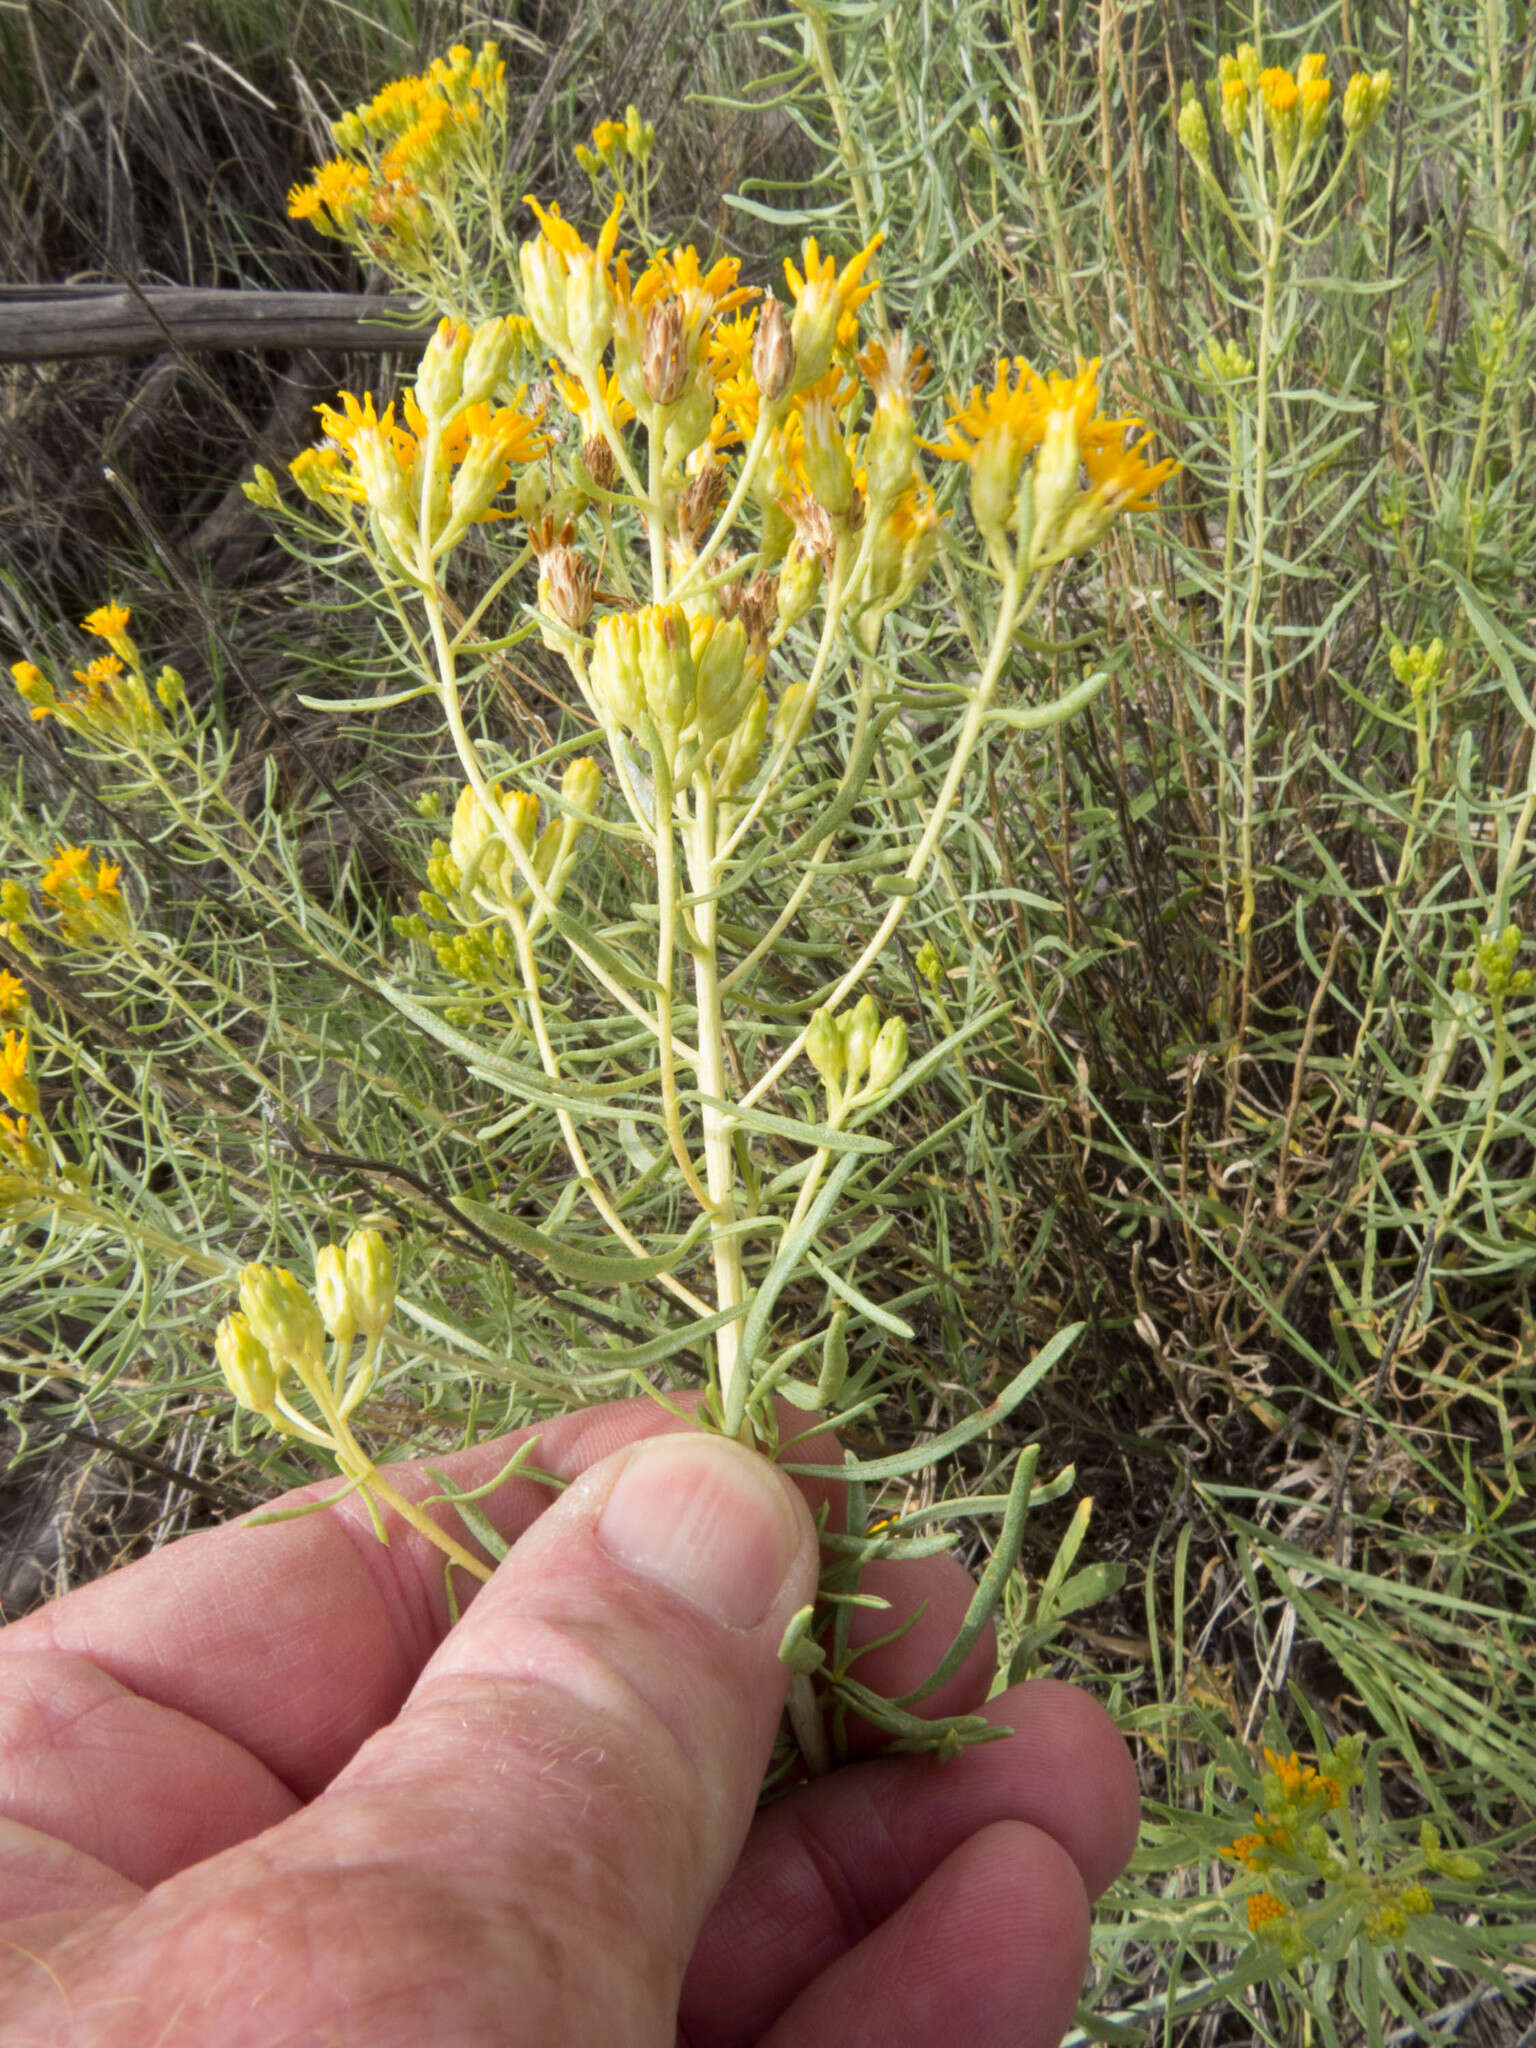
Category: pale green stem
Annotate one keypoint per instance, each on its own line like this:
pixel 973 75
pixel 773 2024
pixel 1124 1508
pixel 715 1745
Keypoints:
pixel 782 751
pixel 598 400
pixel 356 1464
pixel 653 525
pixel 470 761
pixel 666 945
pixel 475 776
pixel 1010 615
pixel 1251 612
pixel 837 102
pixel 513 568
pixel 719 1161
pixel 591 1187
pixel 812 869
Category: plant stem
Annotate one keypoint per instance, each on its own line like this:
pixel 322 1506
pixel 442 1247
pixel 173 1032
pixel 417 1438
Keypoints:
pixel 356 1464
pixel 1272 253
pixel 719 1160
pixel 1011 614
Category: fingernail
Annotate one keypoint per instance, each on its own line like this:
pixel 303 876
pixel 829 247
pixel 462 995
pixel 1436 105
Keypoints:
pixel 707 1519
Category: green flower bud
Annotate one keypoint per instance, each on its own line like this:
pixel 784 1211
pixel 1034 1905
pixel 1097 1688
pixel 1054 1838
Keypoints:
pixel 1056 487
pixel 281 1314
pixel 1365 101
pixel 1194 131
pixel 486 360
pixel 171 689
pixel 995 472
pixel 617 688
pixel 262 490
pixel 826 457
pixel 743 748
pixel 860 1028
pixel 929 965
pixel 689 421
pixel 787 712
pixel 473 834
pixel 723 681
pixel 530 494
pixel 889 1055
pixel 889 447
pixel 799 582
pixel 439 377
pixel 370 1281
pixel 246 1364
pixel 824 1047
pixel 665 655
pixel 582 784
pixel 332 1295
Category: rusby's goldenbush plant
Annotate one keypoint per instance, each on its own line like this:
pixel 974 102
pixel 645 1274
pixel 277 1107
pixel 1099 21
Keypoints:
pixel 710 506
pixel 1238 1062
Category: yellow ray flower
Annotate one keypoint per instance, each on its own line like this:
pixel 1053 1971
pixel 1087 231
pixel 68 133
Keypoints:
pixel 337 191
pixel 569 287
pixel 107 621
pixel 826 305
pixel 69 863
pixel 571 389
pixel 16 1083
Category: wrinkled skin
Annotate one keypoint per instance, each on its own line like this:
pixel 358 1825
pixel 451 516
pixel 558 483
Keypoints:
pixel 254 1791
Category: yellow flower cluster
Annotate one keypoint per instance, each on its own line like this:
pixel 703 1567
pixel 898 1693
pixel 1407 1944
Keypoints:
pixel 88 906
pixel 1292 107
pixel 16 1082
pixel 618 142
pixel 432 474
pixel 115 699
pixel 1088 471
pixel 1300 1793
pixel 711 366
pixel 409 137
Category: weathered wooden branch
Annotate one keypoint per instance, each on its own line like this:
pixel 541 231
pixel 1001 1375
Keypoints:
pixel 57 323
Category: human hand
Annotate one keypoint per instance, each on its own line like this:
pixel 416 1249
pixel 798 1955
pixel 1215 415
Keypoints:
pixel 253 1790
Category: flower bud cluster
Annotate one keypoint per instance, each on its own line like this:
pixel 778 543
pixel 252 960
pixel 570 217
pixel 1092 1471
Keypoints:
pixel 857 1057
pixel 115 700
pixel 496 842
pixel 1493 969
pixel 685 684
pixel 1252 99
pixel 1418 668
pixel 1323 1882
pixel 280 1330
pixel 485 867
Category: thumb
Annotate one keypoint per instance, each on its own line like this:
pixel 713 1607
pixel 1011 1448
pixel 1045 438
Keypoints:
pixel 581 1758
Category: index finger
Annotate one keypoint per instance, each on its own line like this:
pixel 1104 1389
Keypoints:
pixel 298 1639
